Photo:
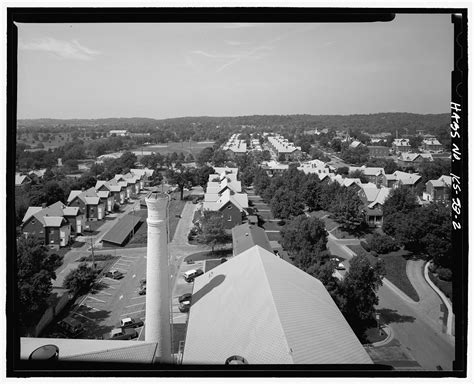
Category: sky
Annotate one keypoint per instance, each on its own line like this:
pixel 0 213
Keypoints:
pixel 234 69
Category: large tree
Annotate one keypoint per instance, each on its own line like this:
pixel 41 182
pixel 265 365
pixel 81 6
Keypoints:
pixel 182 177
pixel 35 270
pixel 205 156
pixel 80 280
pixel 359 287
pixel 311 192
pixel 212 232
pixel 347 209
pixel 305 238
pixel 400 200
pixel 286 204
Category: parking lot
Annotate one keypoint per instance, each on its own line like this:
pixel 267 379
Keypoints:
pixel 103 308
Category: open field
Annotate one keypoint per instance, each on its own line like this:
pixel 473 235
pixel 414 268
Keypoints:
pixel 186 147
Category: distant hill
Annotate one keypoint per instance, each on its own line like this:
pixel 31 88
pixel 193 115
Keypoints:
pixel 405 123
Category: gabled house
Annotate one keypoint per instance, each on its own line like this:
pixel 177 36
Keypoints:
pixel 232 205
pixel 407 159
pixel 131 182
pixel 315 166
pixel 373 174
pixel 401 145
pixel 438 190
pixel 22 181
pixel 432 144
pixel 145 175
pixel 373 199
pixel 51 224
pixel 390 180
pixel 88 202
pixel 378 150
pixel 408 180
pixel 117 190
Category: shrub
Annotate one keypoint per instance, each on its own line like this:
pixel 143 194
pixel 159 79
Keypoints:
pixel 365 246
pixel 432 267
pixel 444 274
pixel 381 243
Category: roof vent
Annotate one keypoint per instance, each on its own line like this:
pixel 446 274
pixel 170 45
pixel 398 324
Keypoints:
pixel 50 352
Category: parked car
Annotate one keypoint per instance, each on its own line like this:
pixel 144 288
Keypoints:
pixel 184 302
pixel 190 275
pixel 142 288
pixel 114 274
pixel 71 326
pixel 121 334
pixel 129 322
pixel 223 260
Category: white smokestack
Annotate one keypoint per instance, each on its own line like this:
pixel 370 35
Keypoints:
pixel 157 328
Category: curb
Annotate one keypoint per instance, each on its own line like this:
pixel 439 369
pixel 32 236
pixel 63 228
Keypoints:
pixel 388 330
pixel 444 299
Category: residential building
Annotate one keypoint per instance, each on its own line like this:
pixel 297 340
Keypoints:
pixel 233 206
pixel 401 145
pixel 282 147
pixel 118 190
pixel 432 144
pixel 88 202
pixel 235 147
pixel 118 132
pixel 260 309
pixel 316 166
pixel 51 224
pixel 373 174
pixel 406 159
pixel 355 144
pixel 408 180
pixel 373 199
pixel 246 236
pixel 438 190
pixel 274 167
pixel 378 150
pixel 22 181
pixel 145 175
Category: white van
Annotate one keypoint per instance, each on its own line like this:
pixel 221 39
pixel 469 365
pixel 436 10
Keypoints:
pixel 190 275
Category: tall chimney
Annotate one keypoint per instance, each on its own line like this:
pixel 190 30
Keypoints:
pixel 157 328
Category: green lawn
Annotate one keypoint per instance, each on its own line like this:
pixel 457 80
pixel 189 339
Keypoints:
pixel 445 286
pixel 395 267
pixel 185 147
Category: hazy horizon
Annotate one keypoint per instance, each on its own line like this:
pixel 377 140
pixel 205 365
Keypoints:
pixel 173 70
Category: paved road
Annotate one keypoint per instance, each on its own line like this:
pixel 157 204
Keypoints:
pixel 415 326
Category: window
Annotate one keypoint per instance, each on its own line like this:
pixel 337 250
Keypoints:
pixel 230 218
pixel 229 207
pixel 33 221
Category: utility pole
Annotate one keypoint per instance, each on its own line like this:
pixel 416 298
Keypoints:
pixel 92 252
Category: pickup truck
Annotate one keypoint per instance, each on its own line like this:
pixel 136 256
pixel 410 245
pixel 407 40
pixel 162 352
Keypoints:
pixel 120 334
pixel 128 322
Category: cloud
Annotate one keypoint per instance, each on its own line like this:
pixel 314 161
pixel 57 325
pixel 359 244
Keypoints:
pixel 235 43
pixel 61 48
pixel 216 55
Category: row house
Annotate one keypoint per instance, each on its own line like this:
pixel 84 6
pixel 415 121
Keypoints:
pixel 233 206
pixel 218 183
pixel 89 203
pixel 281 146
pixel 438 190
pixel 145 175
pixel 118 190
pixel 235 147
pixel 53 224
pixel 133 183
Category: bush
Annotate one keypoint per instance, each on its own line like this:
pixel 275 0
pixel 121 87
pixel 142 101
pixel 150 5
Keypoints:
pixel 382 243
pixel 365 246
pixel 444 274
pixel 432 267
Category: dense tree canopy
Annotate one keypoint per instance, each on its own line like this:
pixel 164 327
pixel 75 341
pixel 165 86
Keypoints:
pixel 212 232
pixel 80 280
pixel 35 270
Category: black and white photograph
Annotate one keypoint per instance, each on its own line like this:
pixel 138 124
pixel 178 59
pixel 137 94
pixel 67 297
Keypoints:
pixel 194 189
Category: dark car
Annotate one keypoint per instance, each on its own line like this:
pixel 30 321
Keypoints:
pixel 184 302
pixel 121 334
pixel 129 322
pixel 114 274
pixel 71 326
pixel 223 260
